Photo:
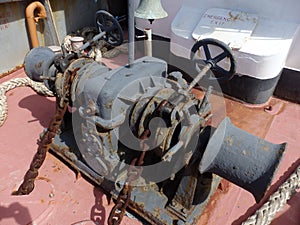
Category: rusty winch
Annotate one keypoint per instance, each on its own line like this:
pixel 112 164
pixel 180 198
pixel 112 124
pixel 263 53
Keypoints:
pixel 140 133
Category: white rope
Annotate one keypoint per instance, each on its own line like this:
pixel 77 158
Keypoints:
pixel 266 213
pixel 40 88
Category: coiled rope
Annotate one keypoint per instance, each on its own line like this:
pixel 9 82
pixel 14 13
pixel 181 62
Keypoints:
pixel 266 213
pixel 40 88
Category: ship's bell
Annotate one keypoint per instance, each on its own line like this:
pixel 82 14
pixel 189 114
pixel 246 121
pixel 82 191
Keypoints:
pixel 150 9
pixel 242 158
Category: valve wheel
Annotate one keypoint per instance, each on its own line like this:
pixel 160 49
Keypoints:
pixel 107 23
pixel 219 72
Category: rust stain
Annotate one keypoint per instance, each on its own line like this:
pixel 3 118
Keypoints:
pixel 39 65
pixel 232 17
pixel 11 71
pixel 266 148
pixel 156 212
pixel 198 93
pixel 108 105
pixel 44 178
pixel 275 107
pixel 229 141
pixel 56 168
pixel 222 189
pixel 253 120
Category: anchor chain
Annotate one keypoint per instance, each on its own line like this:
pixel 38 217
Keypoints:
pixel 133 173
pixel 45 141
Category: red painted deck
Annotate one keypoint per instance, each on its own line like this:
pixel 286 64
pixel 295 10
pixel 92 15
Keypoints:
pixel 61 199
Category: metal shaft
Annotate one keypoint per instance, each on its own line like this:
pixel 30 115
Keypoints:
pixel 199 76
pixel 148 42
pixel 130 32
pixel 193 83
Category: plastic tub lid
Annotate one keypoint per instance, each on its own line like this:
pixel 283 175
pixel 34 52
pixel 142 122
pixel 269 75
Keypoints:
pixel 76 39
pixel 185 21
pixel 55 48
pixel 232 27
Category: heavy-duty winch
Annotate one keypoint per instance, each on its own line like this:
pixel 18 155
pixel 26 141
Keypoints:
pixel 140 133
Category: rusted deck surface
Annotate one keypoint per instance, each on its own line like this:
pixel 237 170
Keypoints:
pixel 60 198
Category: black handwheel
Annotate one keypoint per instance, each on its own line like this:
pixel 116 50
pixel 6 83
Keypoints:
pixel 219 72
pixel 107 23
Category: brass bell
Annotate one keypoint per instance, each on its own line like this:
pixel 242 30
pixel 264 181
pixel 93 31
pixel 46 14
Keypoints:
pixel 150 9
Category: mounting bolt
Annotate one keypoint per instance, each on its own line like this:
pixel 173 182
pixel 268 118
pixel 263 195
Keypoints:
pixel 173 203
pixel 51 195
pixel 145 188
pixel 172 177
pixel 88 111
pixel 111 156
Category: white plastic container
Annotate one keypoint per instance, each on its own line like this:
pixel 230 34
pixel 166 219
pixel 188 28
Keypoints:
pixel 55 49
pixel 76 42
pixel 260 45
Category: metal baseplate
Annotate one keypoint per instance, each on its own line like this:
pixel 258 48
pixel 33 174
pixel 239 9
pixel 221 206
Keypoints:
pixel 157 204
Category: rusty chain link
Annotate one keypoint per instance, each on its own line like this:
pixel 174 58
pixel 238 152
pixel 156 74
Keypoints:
pixel 45 141
pixel 117 213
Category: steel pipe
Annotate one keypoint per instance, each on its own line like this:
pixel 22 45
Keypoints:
pixel 148 42
pixel 130 32
pixel 31 20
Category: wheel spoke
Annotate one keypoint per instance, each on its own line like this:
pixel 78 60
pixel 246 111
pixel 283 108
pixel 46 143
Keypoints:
pixel 101 19
pixel 221 70
pixel 206 51
pixel 99 22
pixel 104 20
pixel 108 24
pixel 114 37
pixel 220 57
pixel 110 29
pixel 101 28
pixel 222 73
